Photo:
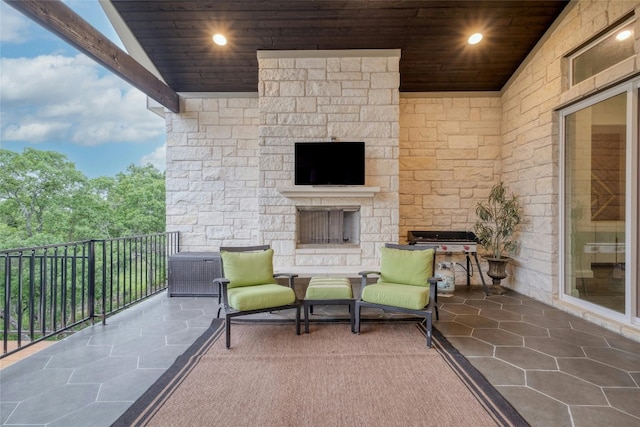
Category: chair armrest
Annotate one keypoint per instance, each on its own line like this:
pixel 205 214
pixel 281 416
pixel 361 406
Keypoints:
pixel 435 279
pixel 363 278
pixel 222 283
pixel 433 289
pixel 366 273
pixel 290 276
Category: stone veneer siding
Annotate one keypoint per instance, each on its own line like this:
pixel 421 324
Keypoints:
pixel 320 96
pixel 531 144
pixel 449 159
pixel 227 157
pixel 212 172
pixel 451 150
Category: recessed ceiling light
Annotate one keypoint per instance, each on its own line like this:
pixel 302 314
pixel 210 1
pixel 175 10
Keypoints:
pixel 474 38
pixel 219 39
pixel 623 35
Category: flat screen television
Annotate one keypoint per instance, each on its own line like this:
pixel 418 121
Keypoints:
pixel 329 163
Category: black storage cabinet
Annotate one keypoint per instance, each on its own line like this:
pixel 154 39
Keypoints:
pixel 192 273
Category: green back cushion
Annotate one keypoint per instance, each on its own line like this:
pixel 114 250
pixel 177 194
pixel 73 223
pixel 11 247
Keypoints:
pixel 248 268
pixel 406 266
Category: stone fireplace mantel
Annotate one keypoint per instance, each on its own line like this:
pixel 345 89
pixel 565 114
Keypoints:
pixel 304 191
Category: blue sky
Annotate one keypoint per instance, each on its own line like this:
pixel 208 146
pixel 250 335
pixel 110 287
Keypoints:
pixel 54 98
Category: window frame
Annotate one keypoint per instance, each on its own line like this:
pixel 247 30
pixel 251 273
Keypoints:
pixel 594 42
pixel 632 205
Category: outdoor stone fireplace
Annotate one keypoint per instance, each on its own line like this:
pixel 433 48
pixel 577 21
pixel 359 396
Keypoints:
pixel 327 226
pixel 308 96
pixel 231 161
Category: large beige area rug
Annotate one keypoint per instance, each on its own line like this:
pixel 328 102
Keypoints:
pixel 386 376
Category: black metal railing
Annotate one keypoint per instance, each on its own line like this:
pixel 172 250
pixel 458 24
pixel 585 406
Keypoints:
pixel 55 289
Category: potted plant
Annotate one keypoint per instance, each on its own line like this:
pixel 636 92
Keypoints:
pixel 498 220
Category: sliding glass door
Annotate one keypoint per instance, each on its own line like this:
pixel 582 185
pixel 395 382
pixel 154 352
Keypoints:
pixel 600 206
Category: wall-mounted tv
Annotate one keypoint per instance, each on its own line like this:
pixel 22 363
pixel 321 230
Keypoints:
pixel 329 163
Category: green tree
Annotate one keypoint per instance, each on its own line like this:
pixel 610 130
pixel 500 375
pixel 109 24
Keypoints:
pixel 45 200
pixel 138 201
pixel 34 184
pixel 89 215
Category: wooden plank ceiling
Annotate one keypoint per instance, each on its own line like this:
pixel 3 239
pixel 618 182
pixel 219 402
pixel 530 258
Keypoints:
pixel 431 35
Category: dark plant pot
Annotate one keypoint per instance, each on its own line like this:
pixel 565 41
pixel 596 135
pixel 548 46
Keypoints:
pixel 497 268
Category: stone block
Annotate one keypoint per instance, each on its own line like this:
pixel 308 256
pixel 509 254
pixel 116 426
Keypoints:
pixel 379 113
pixel 457 154
pixel 316 74
pixel 192 104
pixel 292 88
pixel 385 80
pixel 344 76
pixel 351 64
pixel 376 65
pixel 310 63
pixel 359 130
pixel 302 119
pixel 322 88
pixel 306 105
pixel 343 117
pixel 265 63
pixel 275 105
pixel 380 96
pixel 270 89
pixel 286 63
pixel 185 125
pixel 463 142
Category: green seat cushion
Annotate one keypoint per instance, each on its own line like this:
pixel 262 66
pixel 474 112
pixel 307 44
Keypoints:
pixel 408 267
pixel 396 295
pixel 257 297
pixel 247 268
pixel 329 288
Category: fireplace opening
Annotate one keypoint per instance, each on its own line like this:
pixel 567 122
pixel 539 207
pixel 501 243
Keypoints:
pixel 328 226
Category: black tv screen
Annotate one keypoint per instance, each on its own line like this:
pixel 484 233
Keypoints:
pixel 329 163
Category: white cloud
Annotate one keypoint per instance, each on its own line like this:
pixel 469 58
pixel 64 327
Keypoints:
pixel 158 158
pixel 35 132
pixel 13 26
pixel 55 92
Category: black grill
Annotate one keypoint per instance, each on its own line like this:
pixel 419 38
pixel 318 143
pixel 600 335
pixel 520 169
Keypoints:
pixel 441 236
pixel 464 242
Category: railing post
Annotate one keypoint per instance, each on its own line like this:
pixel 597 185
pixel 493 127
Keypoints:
pixel 7 302
pixel 104 282
pixel 32 293
pixel 91 291
pixel 19 313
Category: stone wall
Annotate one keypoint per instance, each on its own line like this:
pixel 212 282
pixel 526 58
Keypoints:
pixel 531 144
pixel 325 96
pixel 212 172
pixel 449 159
pixel 227 157
pixel 433 156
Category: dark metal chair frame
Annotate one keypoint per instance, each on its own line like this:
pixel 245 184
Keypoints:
pixel 425 312
pixel 309 303
pixel 231 312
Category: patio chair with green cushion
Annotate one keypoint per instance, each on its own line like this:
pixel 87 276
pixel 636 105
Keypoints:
pixel 248 285
pixel 405 283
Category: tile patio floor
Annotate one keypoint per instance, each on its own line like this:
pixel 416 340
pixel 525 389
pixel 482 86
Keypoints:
pixel 556 369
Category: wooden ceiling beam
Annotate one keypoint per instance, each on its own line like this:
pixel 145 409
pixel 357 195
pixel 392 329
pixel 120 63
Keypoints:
pixel 58 18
